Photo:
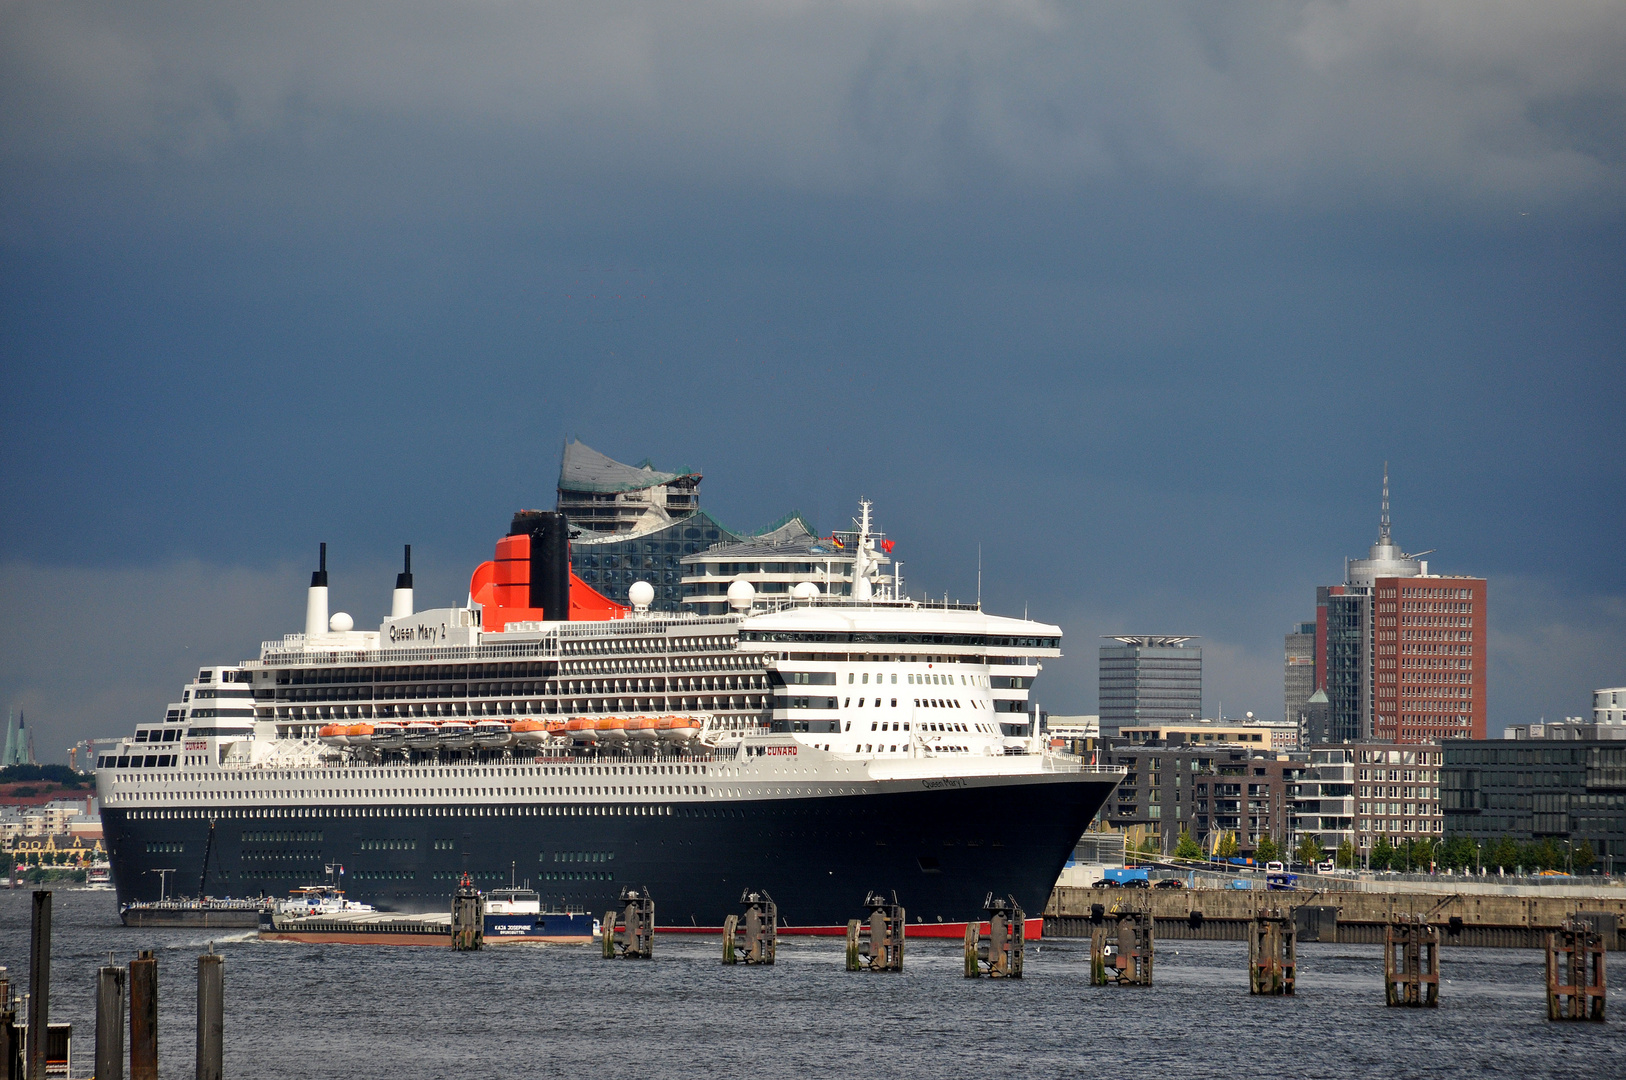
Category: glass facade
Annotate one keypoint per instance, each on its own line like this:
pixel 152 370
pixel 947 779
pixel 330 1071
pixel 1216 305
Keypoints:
pixel 1348 649
pixel 611 564
pixel 1149 684
pixel 1527 789
pixel 1298 676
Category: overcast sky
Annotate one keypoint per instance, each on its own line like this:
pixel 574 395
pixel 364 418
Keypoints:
pixel 1137 297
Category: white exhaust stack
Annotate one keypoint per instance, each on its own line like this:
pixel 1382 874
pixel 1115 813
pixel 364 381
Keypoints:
pixel 401 601
pixel 316 600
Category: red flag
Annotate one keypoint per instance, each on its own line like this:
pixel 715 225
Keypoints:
pixel 886 546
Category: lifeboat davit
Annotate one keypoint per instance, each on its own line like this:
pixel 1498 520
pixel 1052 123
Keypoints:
pixel 582 730
pixel 334 734
pixel 422 735
pixel 491 734
pixel 530 732
pixel 388 735
pixel 678 730
pixel 612 729
pixel 641 731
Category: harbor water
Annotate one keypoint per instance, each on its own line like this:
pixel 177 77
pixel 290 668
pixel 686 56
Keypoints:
pixel 296 1010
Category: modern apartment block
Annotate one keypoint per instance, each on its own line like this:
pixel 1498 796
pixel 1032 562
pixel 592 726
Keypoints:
pixel 1149 679
pixel 1399 652
pixel 1207 792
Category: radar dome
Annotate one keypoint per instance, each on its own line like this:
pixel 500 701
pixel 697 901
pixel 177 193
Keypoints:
pixel 741 595
pixel 340 623
pixel 805 590
pixel 642 593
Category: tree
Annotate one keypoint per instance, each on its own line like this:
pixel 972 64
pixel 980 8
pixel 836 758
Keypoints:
pixel 1227 846
pixel 1582 858
pixel 1504 854
pixel 1309 851
pixel 1346 855
pixel 1383 854
pixel 1187 848
pixel 1457 853
pixel 1267 851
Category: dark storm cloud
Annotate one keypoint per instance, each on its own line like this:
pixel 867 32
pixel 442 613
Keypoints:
pixel 1312 101
pixel 1136 297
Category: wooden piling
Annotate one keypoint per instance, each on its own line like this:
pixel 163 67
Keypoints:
pixel 110 1023
pixel 1411 962
pixel 1577 984
pixel 144 1016
pixel 630 932
pixel 211 1016
pixel 1272 953
pixel 468 917
pixel 876 943
pixel 1122 950
pixel 730 927
pixel 39 987
pixel 760 928
pixel 11 1044
pixel 1001 954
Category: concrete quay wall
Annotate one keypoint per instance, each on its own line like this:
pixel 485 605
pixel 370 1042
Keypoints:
pixel 1352 917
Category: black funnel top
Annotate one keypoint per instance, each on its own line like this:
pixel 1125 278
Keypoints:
pixel 403 580
pixel 319 578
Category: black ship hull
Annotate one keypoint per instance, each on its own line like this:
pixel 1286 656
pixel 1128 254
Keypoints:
pixel 941 851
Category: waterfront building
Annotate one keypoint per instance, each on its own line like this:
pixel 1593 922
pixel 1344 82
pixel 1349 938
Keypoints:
pixel 1396 794
pixel 1400 652
pixel 1609 705
pixel 1298 673
pixel 1258 734
pixel 1207 792
pixel 1568 791
pixel 1149 679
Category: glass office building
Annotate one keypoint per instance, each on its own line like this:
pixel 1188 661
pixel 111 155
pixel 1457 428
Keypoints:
pixel 1568 791
pixel 1149 680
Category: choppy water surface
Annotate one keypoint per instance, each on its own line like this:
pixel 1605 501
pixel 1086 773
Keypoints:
pixel 361 1011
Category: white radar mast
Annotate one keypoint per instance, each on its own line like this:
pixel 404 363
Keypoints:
pixel 864 565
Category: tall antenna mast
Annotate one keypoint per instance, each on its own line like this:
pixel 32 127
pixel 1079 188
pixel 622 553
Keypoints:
pixel 979 577
pixel 1383 525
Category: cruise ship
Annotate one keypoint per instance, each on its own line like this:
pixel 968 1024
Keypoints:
pixel 815 746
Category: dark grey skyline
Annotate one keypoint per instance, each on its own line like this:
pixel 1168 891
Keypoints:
pixel 1138 299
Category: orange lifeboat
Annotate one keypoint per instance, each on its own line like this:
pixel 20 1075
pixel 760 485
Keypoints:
pixel 359 734
pixel 530 732
pixel 333 734
pixel 582 729
pixel 678 730
pixel 612 729
pixel 641 730
pixel 556 727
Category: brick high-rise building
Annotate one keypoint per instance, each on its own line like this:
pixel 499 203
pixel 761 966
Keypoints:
pixel 1429 659
pixel 1400 653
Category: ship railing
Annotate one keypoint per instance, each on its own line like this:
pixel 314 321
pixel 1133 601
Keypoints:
pixel 274 654
pixel 773 602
